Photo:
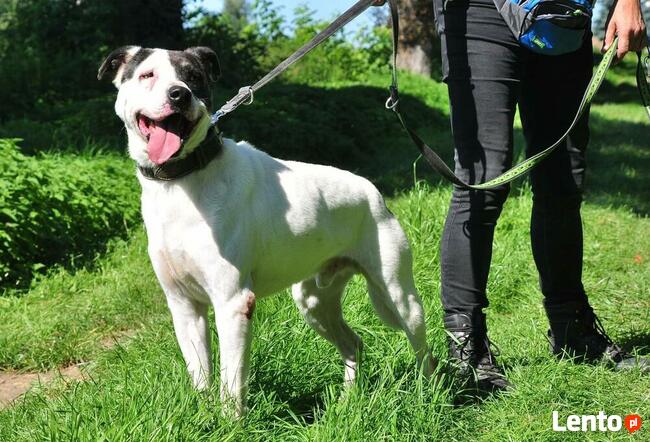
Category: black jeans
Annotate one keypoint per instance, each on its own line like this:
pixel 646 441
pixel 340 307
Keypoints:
pixel 488 73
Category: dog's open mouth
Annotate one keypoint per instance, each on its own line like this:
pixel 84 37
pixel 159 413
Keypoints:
pixel 165 137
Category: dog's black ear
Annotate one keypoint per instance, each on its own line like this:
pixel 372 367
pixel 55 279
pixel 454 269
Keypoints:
pixel 208 59
pixel 114 61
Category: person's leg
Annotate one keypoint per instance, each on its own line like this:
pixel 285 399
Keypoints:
pixel 552 88
pixel 481 66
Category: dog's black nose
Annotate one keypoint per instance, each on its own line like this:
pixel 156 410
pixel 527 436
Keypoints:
pixel 179 96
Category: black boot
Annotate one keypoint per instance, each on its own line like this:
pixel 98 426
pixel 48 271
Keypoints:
pixel 577 332
pixel 469 350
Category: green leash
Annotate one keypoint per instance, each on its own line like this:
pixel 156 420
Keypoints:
pixel 441 167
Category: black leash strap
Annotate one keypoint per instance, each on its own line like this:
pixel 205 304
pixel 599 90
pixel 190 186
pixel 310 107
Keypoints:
pixel 436 163
pixel 642 79
pixel 246 94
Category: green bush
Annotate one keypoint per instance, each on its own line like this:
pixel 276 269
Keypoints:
pixel 69 127
pixel 53 207
pixel 50 50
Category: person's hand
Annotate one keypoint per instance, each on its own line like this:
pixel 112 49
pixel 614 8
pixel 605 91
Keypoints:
pixel 626 21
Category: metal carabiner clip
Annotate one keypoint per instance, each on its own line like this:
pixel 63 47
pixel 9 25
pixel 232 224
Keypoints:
pixel 251 95
pixel 390 104
pixel 393 100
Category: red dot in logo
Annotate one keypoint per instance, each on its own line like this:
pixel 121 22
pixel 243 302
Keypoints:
pixel 633 422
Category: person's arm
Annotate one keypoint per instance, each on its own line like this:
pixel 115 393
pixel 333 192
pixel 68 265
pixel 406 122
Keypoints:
pixel 626 21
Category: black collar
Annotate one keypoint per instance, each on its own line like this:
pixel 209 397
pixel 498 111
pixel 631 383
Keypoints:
pixel 197 160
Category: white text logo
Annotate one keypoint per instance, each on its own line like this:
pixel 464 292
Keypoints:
pixel 600 422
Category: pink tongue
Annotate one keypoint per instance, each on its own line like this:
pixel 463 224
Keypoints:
pixel 163 144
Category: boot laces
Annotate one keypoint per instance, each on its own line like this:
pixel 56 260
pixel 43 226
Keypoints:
pixel 615 352
pixel 600 329
pixel 491 350
pixel 487 348
pixel 478 354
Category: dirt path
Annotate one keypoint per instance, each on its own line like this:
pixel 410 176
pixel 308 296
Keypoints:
pixel 14 385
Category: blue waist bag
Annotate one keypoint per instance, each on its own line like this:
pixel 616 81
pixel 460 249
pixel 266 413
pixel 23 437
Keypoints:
pixel 548 27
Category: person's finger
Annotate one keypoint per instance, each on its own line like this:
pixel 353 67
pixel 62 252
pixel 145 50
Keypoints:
pixel 623 44
pixel 609 35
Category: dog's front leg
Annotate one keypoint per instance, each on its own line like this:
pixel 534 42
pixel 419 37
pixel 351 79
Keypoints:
pixel 234 327
pixel 193 334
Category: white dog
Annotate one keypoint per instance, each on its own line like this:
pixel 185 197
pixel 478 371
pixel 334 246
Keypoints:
pixel 228 224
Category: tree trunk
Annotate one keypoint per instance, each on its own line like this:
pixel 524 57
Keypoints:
pixel 416 43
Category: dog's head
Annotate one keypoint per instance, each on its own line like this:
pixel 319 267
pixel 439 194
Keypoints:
pixel 163 99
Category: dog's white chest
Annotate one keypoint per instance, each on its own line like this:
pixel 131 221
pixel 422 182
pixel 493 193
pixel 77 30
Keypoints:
pixel 181 243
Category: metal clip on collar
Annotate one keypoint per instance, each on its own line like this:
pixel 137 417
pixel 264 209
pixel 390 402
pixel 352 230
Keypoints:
pixel 245 96
pixel 248 90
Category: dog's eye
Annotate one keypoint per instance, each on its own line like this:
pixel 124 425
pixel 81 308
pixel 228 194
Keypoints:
pixel 146 75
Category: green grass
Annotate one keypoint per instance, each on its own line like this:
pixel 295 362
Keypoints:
pixel 64 318
pixel 139 390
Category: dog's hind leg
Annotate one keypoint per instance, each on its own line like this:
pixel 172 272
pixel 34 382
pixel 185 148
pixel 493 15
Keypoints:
pixel 321 308
pixel 193 334
pixel 387 265
pixel 398 306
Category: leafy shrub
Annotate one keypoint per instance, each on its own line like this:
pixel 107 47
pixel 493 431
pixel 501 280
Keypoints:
pixel 239 50
pixel 55 206
pixel 250 51
pixel 69 127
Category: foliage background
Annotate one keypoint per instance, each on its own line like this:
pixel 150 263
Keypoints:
pixel 63 141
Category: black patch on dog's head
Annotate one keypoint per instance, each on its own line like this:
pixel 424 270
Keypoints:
pixel 208 59
pixel 134 62
pixel 113 62
pixel 120 57
pixel 197 68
